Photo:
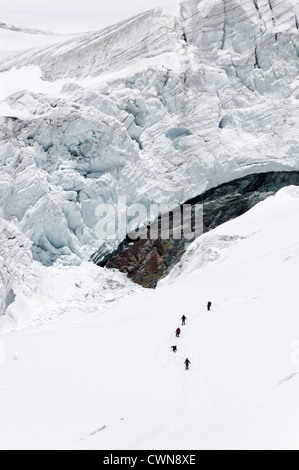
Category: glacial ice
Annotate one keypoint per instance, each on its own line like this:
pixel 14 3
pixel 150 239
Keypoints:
pixel 156 108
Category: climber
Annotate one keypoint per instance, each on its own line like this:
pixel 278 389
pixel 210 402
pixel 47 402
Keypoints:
pixel 183 320
pixel 187 362
pixel 178 332
pixel 209 306
pixel 174 349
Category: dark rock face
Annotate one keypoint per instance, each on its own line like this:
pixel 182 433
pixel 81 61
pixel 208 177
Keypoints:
pixel 230 200
pixel 148 261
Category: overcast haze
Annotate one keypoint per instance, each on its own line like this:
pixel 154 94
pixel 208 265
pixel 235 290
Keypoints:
pixel 78 15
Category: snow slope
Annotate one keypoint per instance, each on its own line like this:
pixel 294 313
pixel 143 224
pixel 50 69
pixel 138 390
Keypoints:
pixel 156 108
pixel 111 382
pixel 18 38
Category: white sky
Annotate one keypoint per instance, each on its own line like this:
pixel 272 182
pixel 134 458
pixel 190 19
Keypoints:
pixel 77 15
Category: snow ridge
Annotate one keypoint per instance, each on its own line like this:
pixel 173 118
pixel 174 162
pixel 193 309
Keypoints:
pixel 18 29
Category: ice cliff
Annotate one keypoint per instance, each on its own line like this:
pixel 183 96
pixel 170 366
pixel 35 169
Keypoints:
pixel 157 108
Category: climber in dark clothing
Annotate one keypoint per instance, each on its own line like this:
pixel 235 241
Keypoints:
pixel 178 332
pixel 209 306
pixel 174 349
pixel 183 320
pixel 187 363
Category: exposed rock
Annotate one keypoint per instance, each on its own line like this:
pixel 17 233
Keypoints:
pixel 146 262
pixel 233 199
pixel 157 109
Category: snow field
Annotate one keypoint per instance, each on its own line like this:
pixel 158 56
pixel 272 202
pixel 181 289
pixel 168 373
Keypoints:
pixel 111 381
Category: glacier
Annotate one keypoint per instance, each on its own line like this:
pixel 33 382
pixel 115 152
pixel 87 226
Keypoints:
pixel 162 109
pixel 158 108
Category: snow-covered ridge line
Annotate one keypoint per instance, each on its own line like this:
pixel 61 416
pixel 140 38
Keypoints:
pixel 18 29
pixel 267 216
pixel 146 35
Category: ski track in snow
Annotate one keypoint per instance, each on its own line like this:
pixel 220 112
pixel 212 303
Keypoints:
pixel 190 383
pixel 97 431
